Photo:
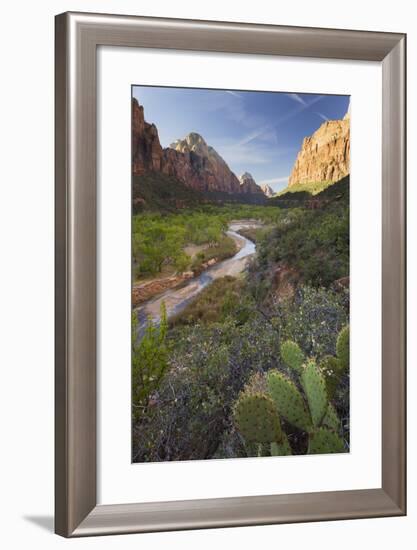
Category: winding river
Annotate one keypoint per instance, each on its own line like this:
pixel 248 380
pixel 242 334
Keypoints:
pixel 177 299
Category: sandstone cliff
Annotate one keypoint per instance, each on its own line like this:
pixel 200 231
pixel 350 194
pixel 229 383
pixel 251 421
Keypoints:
pixel 189 160
pixel 248 184
pixel 211 171
pixel 325 155
pixel 268 191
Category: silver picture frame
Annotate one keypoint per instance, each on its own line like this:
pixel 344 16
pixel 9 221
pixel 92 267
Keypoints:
pixel 78 35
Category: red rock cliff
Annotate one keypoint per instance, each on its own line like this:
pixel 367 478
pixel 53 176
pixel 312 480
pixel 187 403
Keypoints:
pixel 325 155
pixel 190 160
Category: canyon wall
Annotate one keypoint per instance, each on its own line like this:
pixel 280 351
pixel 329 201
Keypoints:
pixel 325 155
pixel 190 160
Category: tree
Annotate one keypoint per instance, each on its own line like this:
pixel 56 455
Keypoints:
pixel 149 361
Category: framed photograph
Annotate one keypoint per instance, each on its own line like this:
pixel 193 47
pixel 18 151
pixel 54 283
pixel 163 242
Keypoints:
pixel 230 274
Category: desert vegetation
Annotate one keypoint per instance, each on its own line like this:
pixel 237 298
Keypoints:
pixel 256 364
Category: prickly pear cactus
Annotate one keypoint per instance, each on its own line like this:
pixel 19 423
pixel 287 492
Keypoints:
pixel 332 371
pixel 257 418
pixel 331 420
pixel 325 441
pixel 342 347
pixel 292 355
pixel 289 401
pixel 281 449
pixel 314 386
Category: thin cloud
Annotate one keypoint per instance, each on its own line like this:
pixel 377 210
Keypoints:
pixel 321 115
pixel 231 92
pixel 302 106
pixel 262 132
pixel 297 98
pixel 282 179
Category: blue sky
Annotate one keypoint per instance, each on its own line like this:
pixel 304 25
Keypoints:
pixel 256 132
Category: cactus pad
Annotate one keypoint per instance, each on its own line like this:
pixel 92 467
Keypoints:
pixel 315 389
pixel 332 371
pixel 325 441
pixel 257 418
pixel 281 449
pixel 292 355
pixel 289 401
pixel 342 347
pixel 331 420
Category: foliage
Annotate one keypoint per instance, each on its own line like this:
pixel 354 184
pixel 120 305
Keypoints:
pixel 149 362
pixel 222 298
pixel 314 243
pixel 235 340
pixel 208 367
pixel 313 188
pixel 162 193
pixel 342 347
pixel 303 403
pixel 312 319
pixel 292 355
pixel 224 248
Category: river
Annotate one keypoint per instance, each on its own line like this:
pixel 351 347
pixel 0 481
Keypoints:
pixel 177 299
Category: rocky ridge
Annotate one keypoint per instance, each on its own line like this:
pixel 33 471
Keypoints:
pixel 191 160
pixel 248 184
pixel 268 191
pixel 325 155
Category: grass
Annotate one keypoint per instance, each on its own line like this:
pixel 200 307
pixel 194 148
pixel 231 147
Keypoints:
pixel 313 188
pixel 254 234
pixel 213 304
pixel 225 248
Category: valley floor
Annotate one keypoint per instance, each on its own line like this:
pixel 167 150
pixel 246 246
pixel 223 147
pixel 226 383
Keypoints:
pixel 201 351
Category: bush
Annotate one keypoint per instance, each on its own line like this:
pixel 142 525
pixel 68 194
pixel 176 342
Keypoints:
pixel 209 364
pixel 149 362
pixel 314 243
pixel 223 298
pixel 312 319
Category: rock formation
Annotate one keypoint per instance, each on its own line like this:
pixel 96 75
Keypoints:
pixel 325 155
pixel 248 184
pixel 211 171
pixel 190 160
pixel 268 191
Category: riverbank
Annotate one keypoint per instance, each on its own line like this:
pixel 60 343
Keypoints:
pixel 144 291
pixel 176 299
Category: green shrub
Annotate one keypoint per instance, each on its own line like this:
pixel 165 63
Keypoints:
pixel 208 367
pixel 149 362
pixel 312 319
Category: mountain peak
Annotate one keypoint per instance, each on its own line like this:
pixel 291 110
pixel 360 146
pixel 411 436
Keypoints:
pixel 193 142
pixel 189 160
pixel 246 176
pixel 324 156
pixel 267 189
pixel 248 184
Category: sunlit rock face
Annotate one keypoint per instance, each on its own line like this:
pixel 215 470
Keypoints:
pixel 267 190
pixel 212 172
pixel 191 160
pixel 248 184
pixel 325 155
